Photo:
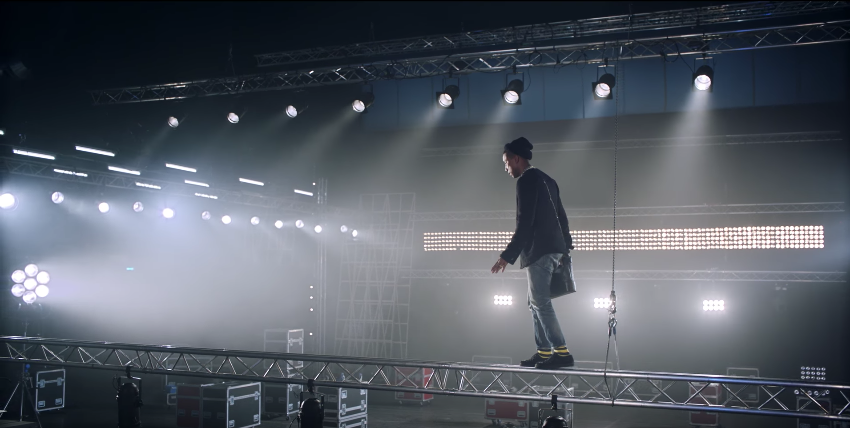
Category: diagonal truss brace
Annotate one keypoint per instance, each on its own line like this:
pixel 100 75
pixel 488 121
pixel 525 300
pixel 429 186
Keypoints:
pixel 644 275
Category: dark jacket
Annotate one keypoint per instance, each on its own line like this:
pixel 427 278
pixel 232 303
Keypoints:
pixel 537 232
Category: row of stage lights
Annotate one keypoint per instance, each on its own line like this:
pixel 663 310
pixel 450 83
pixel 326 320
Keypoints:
pixel 605 303
pixel 512 95
pixel 8 201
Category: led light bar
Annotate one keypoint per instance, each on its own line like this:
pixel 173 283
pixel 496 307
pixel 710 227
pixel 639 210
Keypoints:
pixel 601 303
pixel 718 238
pixel 203 195
pixel 149 186
pixel 503 300
pixel 301 192
pixel 196 183
pixel 245 180
pixel 124 170
pixel 181 168
pixel 95 151
pixel 78 174
pixel 33 154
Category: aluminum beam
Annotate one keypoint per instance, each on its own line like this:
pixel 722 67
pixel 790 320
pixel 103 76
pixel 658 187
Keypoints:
pixel 673 391
pixel 645 275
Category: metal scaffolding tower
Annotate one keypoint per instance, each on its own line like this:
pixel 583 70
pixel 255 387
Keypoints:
pixel 373 309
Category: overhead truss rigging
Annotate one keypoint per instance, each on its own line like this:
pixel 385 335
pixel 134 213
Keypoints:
pixel 644 275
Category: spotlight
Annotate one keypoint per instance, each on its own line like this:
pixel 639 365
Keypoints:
pixel 603 89
pixel 278 224
pixel 168 213
pixel 354 233
pixel 103 207
pixel 703 78
pixel 713 305
pixel 8 201
pixel 33 154
pixel 503 300
pixel 206 215
pixel 361 104
pixel 446 98
pixel 601 303
pixel 138 207
pixel 299 224
pixel 343 228
pixel 95 151
pixel 232 117
pixel 173 122
pixel 42 290
pixel 180 167
pixel 295 109
pixel 57 197
pixel 226 219
pixel 255 220
pixel 318 229
pixel 511 94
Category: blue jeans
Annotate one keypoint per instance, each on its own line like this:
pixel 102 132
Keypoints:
pixel 547 330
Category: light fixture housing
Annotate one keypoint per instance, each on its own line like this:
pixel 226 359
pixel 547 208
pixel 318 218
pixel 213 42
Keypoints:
pixel 8 201
pixel 603 89
pixel 232 117
pixel 363 102
pixel 703 79
pixel 446 99
pixel 512 94
pixel 173 122
pixel 294 109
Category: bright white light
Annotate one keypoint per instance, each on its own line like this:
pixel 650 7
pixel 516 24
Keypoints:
pixel 124 170
pixel 278 224
pixel 226 219
pixel 103 207
pixel 42 291
pixel 245 180
pixel 78 174
pixel 138 207
pixel 601 303
pixel 445 100
pixel 291 111
pixel 43 277
pixel 149 186
pixel 57 197
pixel 358 106
pixel 95 151
pixel 33 154
pixel 173 122
pixel 31 269
pixel 18 290
pixel 168 213
pixel 30 283
pixel 602 90
pixel 299 224
pixel 196 183
pixel 204 195
pixel 511 97
pixel 29 297
pixel 206 215
pixel 255 220
pixel 18 276
pixel 354 233
pixel 702 82
pixel 7 200
pixel 343 228
pixel 180 167
pixel 503 300
pixel 713 305
pixel 232 118
pixel 302 192
pixel 318 229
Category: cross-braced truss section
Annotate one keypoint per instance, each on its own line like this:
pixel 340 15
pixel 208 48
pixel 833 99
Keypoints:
pixel 673 391
pixel 644 275
pixel 373 307
pixel 486 61
pixel 553 33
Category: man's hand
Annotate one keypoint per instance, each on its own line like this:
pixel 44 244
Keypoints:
pixel 499 266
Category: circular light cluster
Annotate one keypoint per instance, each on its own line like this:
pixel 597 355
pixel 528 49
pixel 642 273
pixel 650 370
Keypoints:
pixel 255 220
pixel 713 305
pixel 812 373
pixel 8 201
pixel 57 197
pixel 601 303
pixel 503 300
pixel 30 283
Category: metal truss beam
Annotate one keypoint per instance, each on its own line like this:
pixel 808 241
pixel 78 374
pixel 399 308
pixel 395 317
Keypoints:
pixel 621 388
pixel 646 143
pixel 95 178
pixel 645 275
pixel 805 207
pixel 551 33
pixel 486 61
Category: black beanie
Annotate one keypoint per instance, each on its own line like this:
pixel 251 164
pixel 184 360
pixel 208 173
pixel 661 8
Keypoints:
pixel 520 147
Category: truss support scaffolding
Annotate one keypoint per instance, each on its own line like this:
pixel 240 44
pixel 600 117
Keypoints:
pixel 645 275
pixel 673 391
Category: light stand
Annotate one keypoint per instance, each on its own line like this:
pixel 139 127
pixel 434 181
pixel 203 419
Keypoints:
pixel 25 380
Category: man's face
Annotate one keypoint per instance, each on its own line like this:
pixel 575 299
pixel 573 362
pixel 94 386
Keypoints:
pixel 511 165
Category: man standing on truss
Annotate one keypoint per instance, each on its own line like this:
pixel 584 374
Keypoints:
pixel 542 242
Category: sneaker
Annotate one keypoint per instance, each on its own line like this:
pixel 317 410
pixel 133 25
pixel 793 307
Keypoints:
pixel 555 362
pixel 531 362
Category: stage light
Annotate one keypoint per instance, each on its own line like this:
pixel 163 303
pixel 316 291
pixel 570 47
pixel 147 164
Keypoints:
pixel 8 201
pixel 196 183
pixel 95 151
pixel 18 290
pixel 103 207
pixel 302 192
pixel 343 228
pixel 204 195
pixel 42 277
pixel 295 109
pixel 173 122
pixel 318 229
pixel 226 219
pixel 603 88
pixel 278 224
pixel 18 276
pixel 512 94
pixel 148 186
pixel 180 167
pixel 168 213
pixel 354 233
pixel 713 305
pixel 254 182
pixel 29 297
pixel 57 197
pixel 255 220
pixel 138 207
pixel 42 290
pixel 232 117
pixel 503 300
pixel 30 283
pixel 206 215
pixel 601 303
pixel 446 98
pixel 703 78
pixel 2 132
pixel 364 102
pixel 299 224
pixel 33 154
pixel 124 170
